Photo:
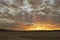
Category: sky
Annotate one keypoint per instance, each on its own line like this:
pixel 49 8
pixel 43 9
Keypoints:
pixel 30 14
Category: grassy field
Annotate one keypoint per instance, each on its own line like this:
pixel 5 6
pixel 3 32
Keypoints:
pixel 29 35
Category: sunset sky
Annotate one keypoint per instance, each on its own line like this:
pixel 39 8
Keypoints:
pixel 30 14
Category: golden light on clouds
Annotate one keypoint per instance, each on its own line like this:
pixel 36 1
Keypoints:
pixel 39 26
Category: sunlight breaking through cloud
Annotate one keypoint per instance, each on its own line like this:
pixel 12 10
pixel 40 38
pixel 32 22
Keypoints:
pixel 27 13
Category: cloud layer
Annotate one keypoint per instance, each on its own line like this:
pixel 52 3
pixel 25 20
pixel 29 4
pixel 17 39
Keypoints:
pixel 29 12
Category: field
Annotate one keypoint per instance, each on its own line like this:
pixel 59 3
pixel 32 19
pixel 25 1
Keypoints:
pixel 29 35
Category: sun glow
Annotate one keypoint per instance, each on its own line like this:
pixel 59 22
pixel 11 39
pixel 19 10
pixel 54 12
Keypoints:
pixel 39 26
pixel 36 27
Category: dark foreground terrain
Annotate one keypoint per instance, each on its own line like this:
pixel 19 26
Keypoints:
pixel 29 35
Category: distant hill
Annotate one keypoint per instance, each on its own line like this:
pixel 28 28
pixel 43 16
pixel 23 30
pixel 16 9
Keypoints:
pixel 30 31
